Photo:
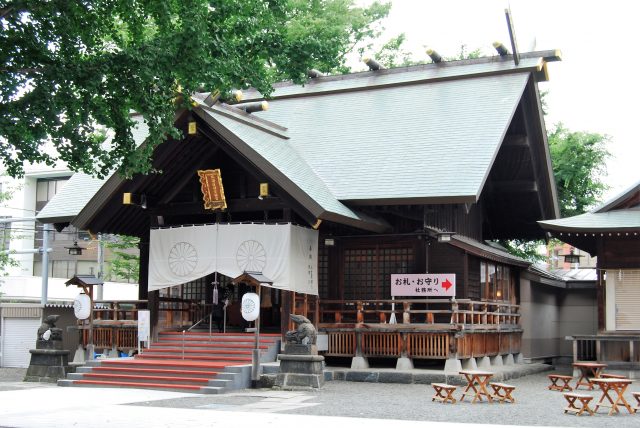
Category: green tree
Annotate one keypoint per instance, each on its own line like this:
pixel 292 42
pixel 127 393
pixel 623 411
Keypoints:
pixel 391 54
pixel 5 234
pixel 125 264
pixel 68 68
pixel 465 54
pixel 578 160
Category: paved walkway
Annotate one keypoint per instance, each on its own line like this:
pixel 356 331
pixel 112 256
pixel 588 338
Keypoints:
pixel 352 404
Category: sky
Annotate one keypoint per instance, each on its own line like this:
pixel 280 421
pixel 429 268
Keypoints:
pixel 595 88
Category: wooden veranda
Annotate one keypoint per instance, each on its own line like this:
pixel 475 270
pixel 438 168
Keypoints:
pixel 424 328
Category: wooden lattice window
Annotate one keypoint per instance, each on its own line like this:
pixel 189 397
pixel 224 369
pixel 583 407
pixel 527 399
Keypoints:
pixel 367 271
pixel 195 290
pixel 323 272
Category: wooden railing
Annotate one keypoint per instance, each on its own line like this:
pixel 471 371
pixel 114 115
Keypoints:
pixel 181 313
pixel 423 328
pixel 418 311
pixel 614 349
pixel 114 325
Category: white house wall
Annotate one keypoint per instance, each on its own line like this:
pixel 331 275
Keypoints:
pixel 22 204
pixel 20 288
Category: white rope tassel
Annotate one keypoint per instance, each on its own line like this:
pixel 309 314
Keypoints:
pixel 215 293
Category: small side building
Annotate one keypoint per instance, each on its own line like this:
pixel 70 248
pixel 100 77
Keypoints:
pixel 612 233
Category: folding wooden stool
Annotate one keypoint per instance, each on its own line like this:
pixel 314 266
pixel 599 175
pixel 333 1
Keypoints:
pixel 565 382
pixel 636 395
pixel 584 400
pixel 444 393
pixel 502 392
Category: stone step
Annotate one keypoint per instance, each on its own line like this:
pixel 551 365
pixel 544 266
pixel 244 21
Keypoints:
pixel 205 374
pixel 218 336
pixel 142 385
pixel 146 378
pixel 195 362
pixel 196 351
pixel 228 360
pixel 206 345
pixel 164 363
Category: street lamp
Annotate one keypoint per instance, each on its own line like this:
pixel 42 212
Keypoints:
pixel 444 236
pixel 75 250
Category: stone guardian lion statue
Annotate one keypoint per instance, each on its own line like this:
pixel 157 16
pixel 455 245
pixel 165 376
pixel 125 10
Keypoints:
pixel 304 334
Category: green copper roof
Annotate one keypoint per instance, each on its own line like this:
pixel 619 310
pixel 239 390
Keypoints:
pixel 80 188
pixel 423 142
pixel 622 220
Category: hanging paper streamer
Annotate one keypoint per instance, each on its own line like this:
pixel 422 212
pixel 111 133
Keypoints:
pixel 215 294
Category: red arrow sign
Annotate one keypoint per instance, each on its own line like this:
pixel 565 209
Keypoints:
pixel 446 284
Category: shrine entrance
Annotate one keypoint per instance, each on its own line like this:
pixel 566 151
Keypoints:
pixel 185 305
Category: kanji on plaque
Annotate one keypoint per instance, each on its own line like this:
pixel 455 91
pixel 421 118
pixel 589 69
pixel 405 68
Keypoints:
pixel 423 284
pixel 212 190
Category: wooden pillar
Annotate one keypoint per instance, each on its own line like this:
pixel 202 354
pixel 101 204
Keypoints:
pixel 154 311
pixel 143 276
pixel 285 310
pixel 601 299
pixel 406 315
pixel 465 275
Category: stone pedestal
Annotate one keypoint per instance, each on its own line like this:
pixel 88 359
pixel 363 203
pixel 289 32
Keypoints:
pixel 49 362
pixel 300 367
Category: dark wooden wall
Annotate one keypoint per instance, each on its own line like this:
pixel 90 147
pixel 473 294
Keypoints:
pixel 455 218
pixel 444 258
pixel 619 252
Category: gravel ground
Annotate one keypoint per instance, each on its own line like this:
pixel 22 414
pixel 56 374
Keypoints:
pixel 535 405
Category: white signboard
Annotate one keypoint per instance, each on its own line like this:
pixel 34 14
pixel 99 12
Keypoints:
pixel 144 325
pixel 423 284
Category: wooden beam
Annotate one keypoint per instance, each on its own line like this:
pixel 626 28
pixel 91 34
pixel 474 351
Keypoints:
pixel 251 168
pixel 178 185
pixel 515 141
pixel 233 205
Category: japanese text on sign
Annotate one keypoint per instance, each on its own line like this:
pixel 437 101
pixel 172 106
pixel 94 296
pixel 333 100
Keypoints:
pixel 212 190
pixel 423 284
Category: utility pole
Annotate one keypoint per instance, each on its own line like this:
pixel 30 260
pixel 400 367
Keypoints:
pixel 99 289
pixel 45 263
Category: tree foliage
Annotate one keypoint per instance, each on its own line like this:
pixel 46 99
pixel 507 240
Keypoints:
pixel 391 54
pixel 5 234
pixel 125 264
pixel 68 68
pixel 578 160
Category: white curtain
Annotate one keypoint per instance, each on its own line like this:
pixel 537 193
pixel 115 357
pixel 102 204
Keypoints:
pixel 286 254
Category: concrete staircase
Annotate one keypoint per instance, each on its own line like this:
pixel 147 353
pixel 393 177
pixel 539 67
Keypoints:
pixel 188 362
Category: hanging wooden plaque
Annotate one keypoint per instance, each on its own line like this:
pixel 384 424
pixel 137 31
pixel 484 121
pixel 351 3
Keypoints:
pixel 212 190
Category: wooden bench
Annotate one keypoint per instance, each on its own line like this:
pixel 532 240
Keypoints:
pixel 441 389
pixel 502 392
pixel 636 395
pixel 584 400
pixel 555 378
